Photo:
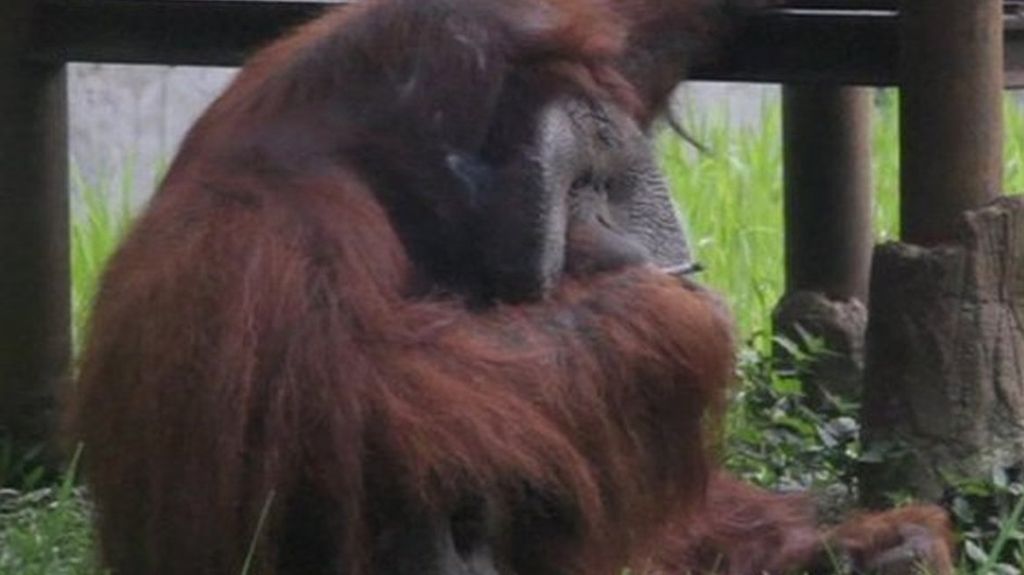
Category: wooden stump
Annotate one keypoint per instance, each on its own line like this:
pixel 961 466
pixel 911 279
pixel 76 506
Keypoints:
pixel 841 325
pixel 944 382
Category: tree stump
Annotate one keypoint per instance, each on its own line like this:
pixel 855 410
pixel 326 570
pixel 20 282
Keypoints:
pixel 841 325
pixel 944 381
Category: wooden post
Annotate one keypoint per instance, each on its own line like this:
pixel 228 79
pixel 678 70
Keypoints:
pixel 34 279
pixel 951 113
pixel 827 132
pixel 827 158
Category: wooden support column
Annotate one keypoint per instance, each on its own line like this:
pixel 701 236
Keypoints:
pixel 827 149
pixel 34 279
pixel 951 113
pixel 827 132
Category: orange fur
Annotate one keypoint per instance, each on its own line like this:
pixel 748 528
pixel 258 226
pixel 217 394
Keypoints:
pixel 867 537
pixel 269 338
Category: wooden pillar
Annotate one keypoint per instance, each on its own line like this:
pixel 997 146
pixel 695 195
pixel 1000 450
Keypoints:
pixel 827 158
pixel 827 132
pixel 951 113
pixel 34 278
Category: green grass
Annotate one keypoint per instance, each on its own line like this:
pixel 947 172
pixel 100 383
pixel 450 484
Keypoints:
pixel 47 531
pixel 733 199
pixel 102 215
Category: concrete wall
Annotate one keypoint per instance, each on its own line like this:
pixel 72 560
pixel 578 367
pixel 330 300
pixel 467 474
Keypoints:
pixel 128 120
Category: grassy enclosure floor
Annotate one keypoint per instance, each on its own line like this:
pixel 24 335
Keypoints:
pixel 732 198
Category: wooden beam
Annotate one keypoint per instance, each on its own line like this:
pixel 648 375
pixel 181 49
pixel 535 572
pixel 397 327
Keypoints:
pixel 170 32
pixel 808 41
pixel 804 47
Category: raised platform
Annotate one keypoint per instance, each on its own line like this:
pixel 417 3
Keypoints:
pixel 802 41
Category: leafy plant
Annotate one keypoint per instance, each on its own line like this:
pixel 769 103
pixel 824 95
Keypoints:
pixel 777 436
pixel 21 469
pixel 990 519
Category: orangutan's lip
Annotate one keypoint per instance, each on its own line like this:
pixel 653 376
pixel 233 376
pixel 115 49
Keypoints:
pixel 687 269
